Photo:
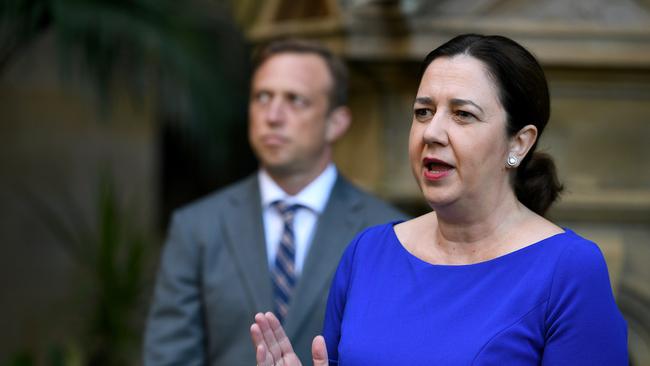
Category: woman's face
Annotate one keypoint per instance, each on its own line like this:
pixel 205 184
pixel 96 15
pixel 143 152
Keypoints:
pixel 458 144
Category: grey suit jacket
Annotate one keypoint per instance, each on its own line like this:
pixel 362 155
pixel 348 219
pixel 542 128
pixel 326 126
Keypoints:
pixel 214 275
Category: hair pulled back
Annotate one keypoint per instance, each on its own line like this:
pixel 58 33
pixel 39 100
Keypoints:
pixel 523 92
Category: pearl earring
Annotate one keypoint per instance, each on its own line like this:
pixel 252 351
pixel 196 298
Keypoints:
pixel 512 161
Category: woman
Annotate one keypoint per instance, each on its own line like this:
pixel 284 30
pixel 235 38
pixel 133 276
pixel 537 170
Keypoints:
pixel 484 278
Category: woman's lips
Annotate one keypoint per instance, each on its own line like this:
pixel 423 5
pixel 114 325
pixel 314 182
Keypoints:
pixel 436 169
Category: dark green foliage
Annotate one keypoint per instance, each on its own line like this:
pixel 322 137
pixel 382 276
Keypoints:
pixel 111 266
pixel 116 276
pixel 185 56
pixel 191 62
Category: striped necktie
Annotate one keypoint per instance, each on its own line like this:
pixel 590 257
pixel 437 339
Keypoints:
pixel 284 273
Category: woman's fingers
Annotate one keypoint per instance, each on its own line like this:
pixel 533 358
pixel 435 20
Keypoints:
pixel 280 335
pixel 262 355
pixel 268 335
pixel 319 351
pixel 269 330
pixel 272 346
pixel 256 335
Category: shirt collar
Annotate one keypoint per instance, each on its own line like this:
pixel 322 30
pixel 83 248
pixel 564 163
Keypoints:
pixel 314 195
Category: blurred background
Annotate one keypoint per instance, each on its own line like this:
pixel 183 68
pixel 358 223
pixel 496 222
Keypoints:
pixel 115 112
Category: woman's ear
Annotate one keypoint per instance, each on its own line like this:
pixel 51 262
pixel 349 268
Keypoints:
pixel 522 141
pixel 337 123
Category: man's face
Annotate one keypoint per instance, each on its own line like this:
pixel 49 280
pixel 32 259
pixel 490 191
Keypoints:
pixel 288 112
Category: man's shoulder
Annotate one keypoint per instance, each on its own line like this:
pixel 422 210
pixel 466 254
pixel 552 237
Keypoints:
pixel 240 189
pixel 370 203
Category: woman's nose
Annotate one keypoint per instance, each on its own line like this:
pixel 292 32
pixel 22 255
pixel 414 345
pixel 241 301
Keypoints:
pixel 436 130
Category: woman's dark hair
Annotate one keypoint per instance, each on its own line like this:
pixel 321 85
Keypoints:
pixel 523 92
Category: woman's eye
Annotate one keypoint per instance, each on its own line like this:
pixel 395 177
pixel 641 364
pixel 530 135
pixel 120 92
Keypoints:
pixel 464 115
pixel 422 114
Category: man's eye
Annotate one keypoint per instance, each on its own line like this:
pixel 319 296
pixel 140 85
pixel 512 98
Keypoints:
pixel 298 100
pixel 422 114
pixel 263 97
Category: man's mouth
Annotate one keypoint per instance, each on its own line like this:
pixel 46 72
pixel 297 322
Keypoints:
pixel 274 140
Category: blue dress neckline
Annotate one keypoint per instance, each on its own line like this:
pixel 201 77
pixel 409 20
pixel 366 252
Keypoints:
pixel 494 261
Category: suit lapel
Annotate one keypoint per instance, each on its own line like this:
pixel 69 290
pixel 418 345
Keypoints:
pixel 336 226
pixel 245 240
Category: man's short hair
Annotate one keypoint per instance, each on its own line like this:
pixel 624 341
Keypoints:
pixel 338 95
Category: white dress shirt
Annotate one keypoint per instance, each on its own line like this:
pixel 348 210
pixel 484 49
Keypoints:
pixel 313 197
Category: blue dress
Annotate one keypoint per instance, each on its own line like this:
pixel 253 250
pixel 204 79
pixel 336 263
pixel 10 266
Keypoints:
pixel 549 303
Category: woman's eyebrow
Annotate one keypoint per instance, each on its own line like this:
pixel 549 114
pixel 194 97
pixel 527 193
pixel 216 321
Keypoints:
pixel 461 102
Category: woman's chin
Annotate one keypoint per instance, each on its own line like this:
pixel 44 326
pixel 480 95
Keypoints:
pixel 438 200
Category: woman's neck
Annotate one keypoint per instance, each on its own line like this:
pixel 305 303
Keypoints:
pixel 479 233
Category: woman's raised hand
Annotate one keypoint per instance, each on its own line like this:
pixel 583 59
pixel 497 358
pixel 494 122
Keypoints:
pixel 273 348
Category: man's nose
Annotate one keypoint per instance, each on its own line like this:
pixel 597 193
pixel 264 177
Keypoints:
pixel 275 111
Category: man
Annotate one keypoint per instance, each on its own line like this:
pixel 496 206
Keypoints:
pixel 273 240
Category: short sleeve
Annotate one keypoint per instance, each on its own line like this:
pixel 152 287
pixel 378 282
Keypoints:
pixel 583 323
pixel 336 301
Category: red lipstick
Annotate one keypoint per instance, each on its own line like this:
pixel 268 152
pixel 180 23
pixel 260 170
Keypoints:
pixel 436 169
